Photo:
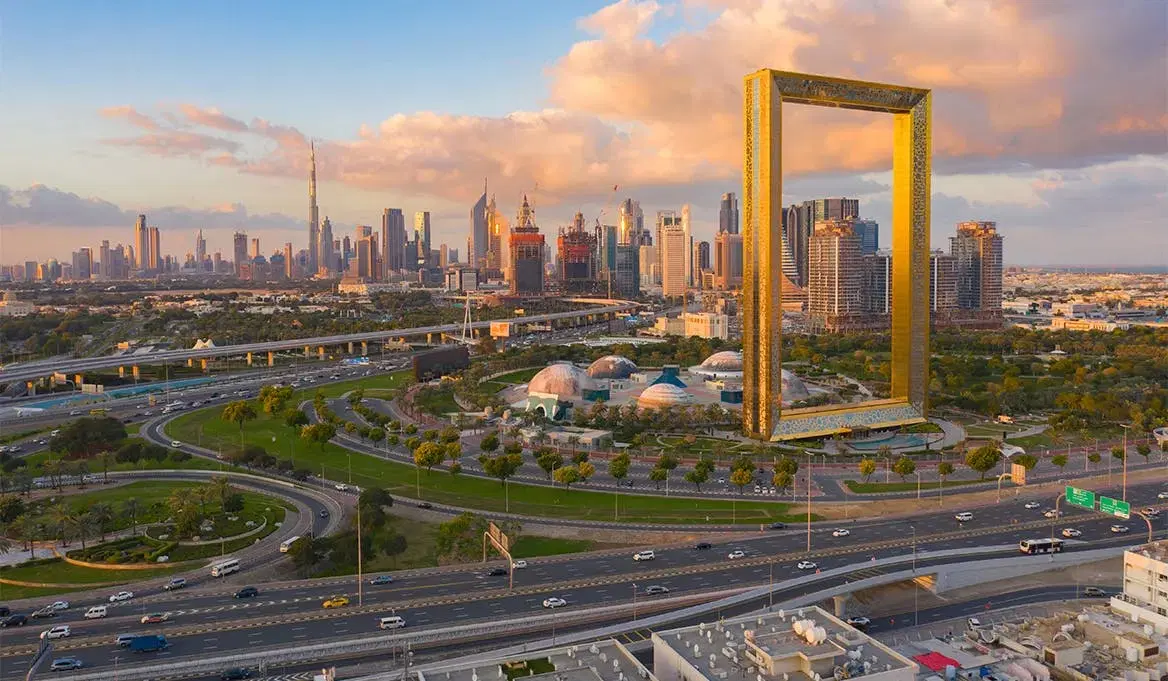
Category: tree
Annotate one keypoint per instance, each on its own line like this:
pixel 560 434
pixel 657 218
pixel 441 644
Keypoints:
pixel 658 476
pixel 130 509
pixel 618 466
pixel 393 440
pixel 460 539
pixel 453 450
pixel 698 476
pixel 782 480
pixel 513 447
pixel 239 412
pixel 1059 460
pixel 983 459
pixel 274 398
pixel 1027 461
pixel 449 434
pixel 587 470
pixel 393 545
pixel 428 455
pixel 904 467
pixel 502 466
pixel 430 435
pixel 233 503
pixel 376 434
pixel 789 465
pixel 1144 450
pixel 85 437
pixel 490 443
pixel 410 429
pixel 579 457
pixel 1117 453
pixel 101 514
pixel 306 554
pixel 944 469
pixel 319 433
pixel 867 468
pixel 566 475
pixel 356 396
pixel 740 479
pixel 11 508
pixel 549 461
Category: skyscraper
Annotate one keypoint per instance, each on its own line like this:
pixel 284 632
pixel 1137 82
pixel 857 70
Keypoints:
pixel 82 264
pixel 686 215
pixel 326 258
pixel 836 275
pixel 942 282
pixel 313 214
pixel 701 256
pixel 154 262
pixel 727 261
pixel 289 262
pixel 239 252
pixel 632 222
pixel 422 237
pixel 869 234
pixel 728 214
pixel 141 243
pixel 200 249
pixel 255 248
pixel 106 266
pixel 393 239
pixel 674 253
pixel 366 250
pixel 799 222
pixel 527 253
pixel 978 250
pixel 479 234
pixel 498 241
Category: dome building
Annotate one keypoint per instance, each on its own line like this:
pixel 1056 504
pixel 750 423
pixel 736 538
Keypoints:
pixel 724 364
pixel 663 396
pixel 612 366
pixel 793 388
pixel 557 387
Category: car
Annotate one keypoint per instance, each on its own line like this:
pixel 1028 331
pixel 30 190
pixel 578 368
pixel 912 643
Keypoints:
pixel 155 618
pixel 656 590
pixel 175 584
pixel 1151 512
pixel 736 554
pixel 1162 495
pixel 703 546
pixel 75 412
pixel 840 532
pixel 335 602
pixel 341 487
pixel 1051 513
pixel 96 612
pixel 1031 505
pixel 496 572
pixel 381 579
pixel 121 596
pixel 175 443
pixel 235 674
pixel 519 564
pixel 46 611
pixel 1070 533
pixel 425 504
pixel 123 640
pixel 964 517
pixel 973 623
pixel 806 565
pixel 64 664
pixel 60 605
pixel 777 526
pixel 644 555
pixel 1094 592
pixel 324 513
pixel 14 621
pixel 554 602
pixel 860 623
pixel 247 592
pixel 1120 529
pixel 56 632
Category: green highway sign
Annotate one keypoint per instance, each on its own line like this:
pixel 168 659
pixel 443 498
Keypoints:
pixel 1083 498
pixel 1115 507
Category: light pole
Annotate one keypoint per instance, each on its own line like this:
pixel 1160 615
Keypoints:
pixel 1125 427
pixel 918 474
pixel 916 587
pixel 349 458
pixel 887 469
pixel 771 591
pixel 634 601
pixel 809 455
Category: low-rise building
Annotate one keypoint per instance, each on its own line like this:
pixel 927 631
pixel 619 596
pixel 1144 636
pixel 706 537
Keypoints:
pixel 1145 585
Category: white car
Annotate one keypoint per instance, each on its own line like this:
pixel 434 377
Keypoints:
pixel 806 565
pixel 841 532
pixel 175 443
pixel 1162 495
pixel 964 517
pixel 554 602
pixel 519 564
pixel 1151 512
pixel 736 554
pixel 1119 529
pixel 859 622
pixel 644 555
pixel 121 596
pixel 1071 533
pixel 56 632
pixel 1031 505
pixel 341 487
pixel 1051 513
pixel 60 605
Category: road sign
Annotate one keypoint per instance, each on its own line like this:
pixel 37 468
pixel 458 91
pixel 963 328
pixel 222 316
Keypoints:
pixel 1083 498
pixel 1115 507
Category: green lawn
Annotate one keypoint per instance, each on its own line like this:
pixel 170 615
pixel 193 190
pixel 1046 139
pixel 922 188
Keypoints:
pixel 436 401
pixel 858 487
pixel 60 572
pixel 35 461
pixel 517 377
pixel 529 546
pixel 700 444
pixel 465 491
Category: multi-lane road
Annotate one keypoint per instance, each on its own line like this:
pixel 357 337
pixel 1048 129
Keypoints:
pixel 206 620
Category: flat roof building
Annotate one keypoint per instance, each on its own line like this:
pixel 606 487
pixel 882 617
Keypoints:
pixel 598 661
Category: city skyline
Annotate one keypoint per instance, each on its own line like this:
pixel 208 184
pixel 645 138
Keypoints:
pixel 1049 156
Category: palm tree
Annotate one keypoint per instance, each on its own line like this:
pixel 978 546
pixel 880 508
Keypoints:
pixel 52 468
pixel 130 509
pixel 84 527
pixel 6 544
pixel 64 519
pixel 221 489
pixel 105 459
pixel 239 412
pixel 30 530
pixel 101 514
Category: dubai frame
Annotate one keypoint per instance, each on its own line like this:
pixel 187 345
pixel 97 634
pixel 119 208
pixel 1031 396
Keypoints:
pixel 762 190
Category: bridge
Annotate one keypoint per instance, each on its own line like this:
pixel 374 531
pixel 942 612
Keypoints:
pixel 607 309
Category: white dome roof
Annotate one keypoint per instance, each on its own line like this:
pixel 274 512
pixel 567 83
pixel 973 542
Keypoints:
pixel 612 366
pixel 793 388
pixel 726 360
pixel 563 380
pixel 664 395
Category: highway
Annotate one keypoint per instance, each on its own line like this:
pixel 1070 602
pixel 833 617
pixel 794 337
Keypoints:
pixel 75 366
pixel 206 620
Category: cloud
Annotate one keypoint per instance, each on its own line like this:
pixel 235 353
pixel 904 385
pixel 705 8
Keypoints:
pixel 622 20
pixel 212 118
pixel 130 115
pixel 175 143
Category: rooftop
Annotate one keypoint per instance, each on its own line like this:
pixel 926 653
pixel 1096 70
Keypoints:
pixel 599 661
pixel 1157 550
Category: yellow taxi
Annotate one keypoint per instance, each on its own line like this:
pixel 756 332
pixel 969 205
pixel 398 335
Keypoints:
pixel 336 602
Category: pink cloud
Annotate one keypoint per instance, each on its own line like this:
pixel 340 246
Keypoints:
pixel 130 115
pixel 212 118
pixel 176 143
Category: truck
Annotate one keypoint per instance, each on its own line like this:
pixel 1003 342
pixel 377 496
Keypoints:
pixel 149 643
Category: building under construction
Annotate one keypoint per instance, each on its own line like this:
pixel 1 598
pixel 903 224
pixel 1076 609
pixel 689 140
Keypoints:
pixel 577 249
pixel 527 253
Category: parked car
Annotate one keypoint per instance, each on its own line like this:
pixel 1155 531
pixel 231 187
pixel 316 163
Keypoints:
pixel 247 592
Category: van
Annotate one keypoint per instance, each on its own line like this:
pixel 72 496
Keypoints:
pixel 393 622
pixel 96 612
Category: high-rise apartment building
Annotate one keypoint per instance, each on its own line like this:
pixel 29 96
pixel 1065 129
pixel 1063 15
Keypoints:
pixel 877 282
pixel 255 247
pixel 326 250
pixel 978 250
pixel 154 244
pixel 83 264
pixel 728 214
pixel 366 258
pixel 393 239
pixel 576 248
pixel 289 262
pixel 942 281
pixel 200 249
pixel 498 242
pixel 702 256
pixel 479 244
pixel 799 223
pixel 239 252
pixel 727 261
pixel 443 256
pixel 141 243
pixel 868 232
pixel 105 266
pixel 30 270
pixel 527 253
pixel 648 265
pixel 626 279
pixel 313 214
pixel 674 253
pixel 835 275
pixel 422 237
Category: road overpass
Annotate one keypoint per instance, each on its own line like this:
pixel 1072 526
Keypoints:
pixel 315 345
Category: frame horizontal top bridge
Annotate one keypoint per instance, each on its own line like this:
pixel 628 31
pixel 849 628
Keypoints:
pixel 801 88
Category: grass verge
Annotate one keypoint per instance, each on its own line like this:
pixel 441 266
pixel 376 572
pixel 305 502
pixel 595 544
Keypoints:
pixel 857 487
pixel 60 572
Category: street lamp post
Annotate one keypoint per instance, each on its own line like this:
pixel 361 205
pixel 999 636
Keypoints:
pixel 1125 427
pixel 916 587
pixel 809 455
pixel 634 601
pixel 918 484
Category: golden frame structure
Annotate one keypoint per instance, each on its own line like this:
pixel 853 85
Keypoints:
pixel 762 190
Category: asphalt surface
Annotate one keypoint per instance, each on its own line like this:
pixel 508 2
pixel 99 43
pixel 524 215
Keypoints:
pixel 207 620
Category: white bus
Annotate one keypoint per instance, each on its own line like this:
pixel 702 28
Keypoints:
pixel 1033 546
pixel 225 568
pixel 286 545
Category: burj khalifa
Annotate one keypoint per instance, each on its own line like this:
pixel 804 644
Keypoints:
pixel 313 215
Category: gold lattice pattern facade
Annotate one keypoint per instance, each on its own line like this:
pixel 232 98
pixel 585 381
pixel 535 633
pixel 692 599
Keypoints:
pixel 762 179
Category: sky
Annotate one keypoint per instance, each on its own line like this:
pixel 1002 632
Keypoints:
pixel 1050 117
